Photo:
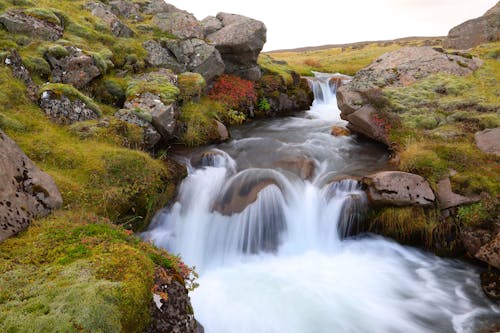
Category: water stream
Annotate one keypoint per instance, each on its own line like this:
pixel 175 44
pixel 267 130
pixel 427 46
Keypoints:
pixel 264 219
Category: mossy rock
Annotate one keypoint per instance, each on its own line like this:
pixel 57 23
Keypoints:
pixel 159 83
pixel 70 92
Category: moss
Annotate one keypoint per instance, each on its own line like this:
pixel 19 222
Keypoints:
pixel 37 66
pixel 272 66
pixel 70 92
pixel 57 51
pixel 191 86
pixel 43 14
pixel 199 121
pixel 156 83
pixel 111 91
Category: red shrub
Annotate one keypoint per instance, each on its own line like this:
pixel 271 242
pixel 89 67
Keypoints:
pixel 234 92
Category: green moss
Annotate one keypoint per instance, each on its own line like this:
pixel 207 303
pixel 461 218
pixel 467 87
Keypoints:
pixel 57 51
pixel 272 66
pixel 37 66
pixel 43 14
pixel 70 92
pixel 191 86
pixel 113 131
pixel 156 83
pixel 111 91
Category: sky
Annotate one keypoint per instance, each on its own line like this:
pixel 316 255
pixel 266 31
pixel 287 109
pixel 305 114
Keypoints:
pixel 292 23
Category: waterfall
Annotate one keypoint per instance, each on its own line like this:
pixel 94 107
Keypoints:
pixel 266 220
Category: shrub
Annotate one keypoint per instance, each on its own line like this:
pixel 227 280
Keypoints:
pixel 234 92
pixel 191 86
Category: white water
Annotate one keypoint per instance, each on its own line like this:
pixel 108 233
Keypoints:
pixel 280 265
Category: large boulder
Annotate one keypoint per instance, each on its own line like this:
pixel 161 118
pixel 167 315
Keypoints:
pixel 160 56
pixel 180 24
pixel 395 69
pixel 26 191
pixel 239 42
pixel 489 140
pixel 117 27
pixel 398 188
pixel 72 66
pixel 19 22
pixel 477 31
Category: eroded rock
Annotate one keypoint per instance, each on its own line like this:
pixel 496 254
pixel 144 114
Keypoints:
pixel 489 140
pixel 17 22
pixel 26 191
pixel 181 24
pixel 448 199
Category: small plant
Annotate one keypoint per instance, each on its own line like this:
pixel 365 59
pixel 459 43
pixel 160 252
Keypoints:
pixel 234 92
pixel 264 104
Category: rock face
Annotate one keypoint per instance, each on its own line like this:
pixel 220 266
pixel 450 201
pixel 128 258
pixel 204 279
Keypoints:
pixel 360 99
pixel 489 140
pixel 117 27
pixel 480 30
pixel 239 42
pixel 64 109
pixel 26 191
pixel 398 189
pixel 17 22
pixel 74 67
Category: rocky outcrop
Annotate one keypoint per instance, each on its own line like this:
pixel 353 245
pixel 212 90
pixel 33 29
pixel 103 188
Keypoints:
pixel 211 24
pixel 65 108
pixel 361 99
pixel 477 31
pixel 395 188
pixel 19 22
pixel 117 27
pixel 73 67
pixel 26 191
pixel 489 140
pixel 239 42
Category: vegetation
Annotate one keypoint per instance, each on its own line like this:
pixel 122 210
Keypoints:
pixel 234 92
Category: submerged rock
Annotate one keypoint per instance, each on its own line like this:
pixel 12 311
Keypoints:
pixel 398 188
pixel 19 22
pixel 489 140
pixel 26 191
pixel 300 165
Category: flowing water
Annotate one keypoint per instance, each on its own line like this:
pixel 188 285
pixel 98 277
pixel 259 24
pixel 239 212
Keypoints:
pixel 264 219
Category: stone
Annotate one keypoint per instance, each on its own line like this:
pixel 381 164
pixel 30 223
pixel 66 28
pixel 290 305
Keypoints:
pixel 127 9
pixel 20 72
pixel 398 188
pixel 159 56
pixel 77 68
pixel 490 284
pixel 26 191
pixel 484 29
pixel 394 69
pixel 222 131
pixel 159 6
pixel 211 24
pixel 301 166
pixel 474 239
pixel 489 140
pixel 17 22
pixel 117 27
pixel 181 24
pixel 239 42
pixel 150 135
pixel 64 109
pixel 339 131
pixel 490 252
pixel 448 199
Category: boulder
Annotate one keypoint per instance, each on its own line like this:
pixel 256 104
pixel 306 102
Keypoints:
pixel 117 27
pixel 222 131
pixel 448 199
pixel 18 22
pixel 477 31
pixel 150 135
pixel 339 131
pixel 159 6
pixel 26 191
pixel 127 9
pixel 239 42
pixel 211 24
pixel 73 67
pixel 159 56
pixel 398 189
pixel 180 24
pixel 300 165
pixel 474 239
pixel 394 69
pixel 66 109
pixel 490 252
pixel 489 140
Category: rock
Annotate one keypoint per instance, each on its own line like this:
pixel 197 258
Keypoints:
pixel 490 284
pixel 181 24
pixel 339 131
pixel 222 131
pixel 26 191
pixel 117 27
pixel 127 9
pixel 239 43
pixel 490 253
pixel 301 166
pixel 159 56
pixel 484 29
pixel 75 68
pixel 448 199
pixel 398 189
pixel 17 22
pixel 20 72
pixel 171 308
pixel 159 6
pixel 489 140
pixel 394 69
pixel 474 239
pixel 64 109
pixel 211 24
pixel 150 135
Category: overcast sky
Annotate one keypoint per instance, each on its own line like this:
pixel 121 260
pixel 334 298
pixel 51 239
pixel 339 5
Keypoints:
pixel 295 23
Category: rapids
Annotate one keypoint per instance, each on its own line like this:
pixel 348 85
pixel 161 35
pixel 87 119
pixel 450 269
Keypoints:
pixel 280 261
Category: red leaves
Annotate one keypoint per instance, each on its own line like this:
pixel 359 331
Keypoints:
pixel 234 92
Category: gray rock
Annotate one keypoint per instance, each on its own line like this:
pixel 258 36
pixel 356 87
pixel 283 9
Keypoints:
pixel 302 166
pixel 65 109
pixel 181 24
pixel 448 199
pixel 20 72
pixel 477 31
pixel 489 140
pixel 159 6
pixel 127 9
pixel 398 189
pixel 211 24
pixel 77 68
pixel 490 253
pixel 16 22
pixel 222 131
pixel 117 27
pixel 159 56
pixel 394 69
pixel 150 135
pixel 26 191
pixel 239 43
pixel 361 121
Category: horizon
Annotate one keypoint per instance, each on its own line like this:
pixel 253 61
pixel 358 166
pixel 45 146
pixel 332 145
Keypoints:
pixel 413 18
